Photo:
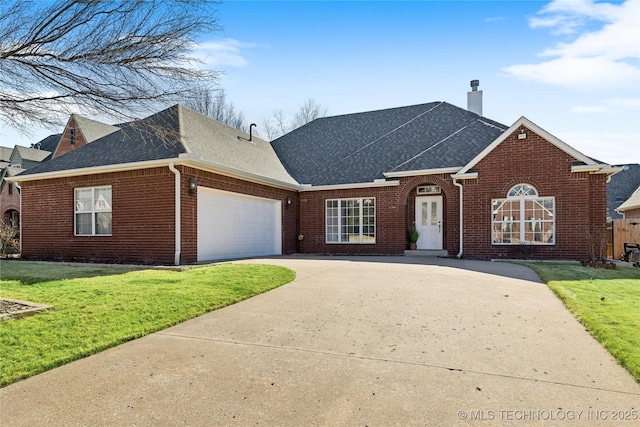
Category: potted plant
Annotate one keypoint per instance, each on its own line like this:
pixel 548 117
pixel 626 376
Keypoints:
pixel 414 234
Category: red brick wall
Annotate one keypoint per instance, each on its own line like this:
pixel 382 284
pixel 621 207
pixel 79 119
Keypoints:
pixel 580 198
pixel 220 182
pixel 580 206
pixel 142 217
pixel 395 211
pixel 64 146
pixel 8 202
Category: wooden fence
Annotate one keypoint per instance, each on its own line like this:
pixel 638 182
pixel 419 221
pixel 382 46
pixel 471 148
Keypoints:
pixel 624 231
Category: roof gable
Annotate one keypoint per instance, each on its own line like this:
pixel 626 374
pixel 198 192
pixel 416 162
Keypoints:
pixel 21 154
pixel 631 203
pixel 524 122
pixel 5 154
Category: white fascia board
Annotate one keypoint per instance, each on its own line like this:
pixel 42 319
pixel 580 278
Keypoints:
pixel 630 207
pixel 610 170
pixel 523 121
pixel 401 174
pixel 187 160
pixel 94 170
pixel 597 169
pixel 306 187
pixel 468 175
pixel 585 168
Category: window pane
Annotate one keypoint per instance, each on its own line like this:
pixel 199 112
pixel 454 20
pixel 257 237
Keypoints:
pixel 84 199
pixel 434 213
pixel 103 199
pixel 103 223
pixel 83 223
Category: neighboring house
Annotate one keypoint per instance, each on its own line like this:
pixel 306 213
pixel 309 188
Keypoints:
pixel 178 187
pixel 621 187
pixel 630 209
pixel 12 162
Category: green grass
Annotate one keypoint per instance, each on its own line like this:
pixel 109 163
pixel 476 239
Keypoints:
pixel 606 302
pixel 98 307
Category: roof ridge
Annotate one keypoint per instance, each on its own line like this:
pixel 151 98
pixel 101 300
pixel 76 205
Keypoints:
pixel 380 110
pixel 387 134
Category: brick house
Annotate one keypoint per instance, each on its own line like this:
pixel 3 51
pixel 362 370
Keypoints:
pixel 630 209
pixel 12 162
pixel 178 187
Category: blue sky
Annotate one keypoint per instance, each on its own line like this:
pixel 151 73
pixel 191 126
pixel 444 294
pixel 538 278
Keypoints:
pixel 571 66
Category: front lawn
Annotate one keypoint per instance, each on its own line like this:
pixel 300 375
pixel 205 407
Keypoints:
pixel 607 302
pixel 97 307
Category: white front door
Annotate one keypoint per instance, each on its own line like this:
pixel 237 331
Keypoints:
pixel 429 222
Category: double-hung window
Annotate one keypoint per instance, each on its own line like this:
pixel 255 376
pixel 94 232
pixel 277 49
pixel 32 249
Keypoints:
pixel 351 220
pixel 523 218
pixel 93 211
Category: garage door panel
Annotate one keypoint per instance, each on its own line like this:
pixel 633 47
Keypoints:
pixel 233 225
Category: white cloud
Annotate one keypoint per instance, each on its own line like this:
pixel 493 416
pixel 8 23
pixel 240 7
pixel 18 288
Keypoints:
pixel 626 103
pixel 590 109
pixel 613 105
pixel 594 72
pixel 223 53
pixel 608 147
pixel 602 58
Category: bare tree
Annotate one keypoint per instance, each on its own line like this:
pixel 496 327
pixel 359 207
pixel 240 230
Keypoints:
pixel 111 58
pixel 213 103
pixel 308 112
pixel 278 124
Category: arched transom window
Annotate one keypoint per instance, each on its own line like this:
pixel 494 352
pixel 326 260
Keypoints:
pixel 523 218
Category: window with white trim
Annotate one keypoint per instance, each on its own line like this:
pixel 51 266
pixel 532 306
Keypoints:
pixel 93 211
pixel 351 220
pixel 523 218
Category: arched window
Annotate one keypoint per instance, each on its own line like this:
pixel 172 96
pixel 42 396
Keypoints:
pixel 523 218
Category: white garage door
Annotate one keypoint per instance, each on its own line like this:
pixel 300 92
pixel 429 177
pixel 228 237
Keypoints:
pixel 232 225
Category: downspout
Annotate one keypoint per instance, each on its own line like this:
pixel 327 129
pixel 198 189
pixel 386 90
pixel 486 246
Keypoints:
pixel 457 184
pixel 177 213
pixel 20 213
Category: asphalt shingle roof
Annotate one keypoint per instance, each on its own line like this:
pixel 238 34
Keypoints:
pixel 621 187
pixel 361 147
pixel 168 134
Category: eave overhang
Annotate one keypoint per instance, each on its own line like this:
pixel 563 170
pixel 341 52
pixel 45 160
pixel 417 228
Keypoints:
pixel 437 171
pixel 375 183
pixel 597 169
pixel 188 159
pixel 468 175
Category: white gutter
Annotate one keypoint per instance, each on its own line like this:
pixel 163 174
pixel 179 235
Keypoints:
pixel 183 159
pixel 376 183
pixel 457 184
pixel 437 171
pixel 177 213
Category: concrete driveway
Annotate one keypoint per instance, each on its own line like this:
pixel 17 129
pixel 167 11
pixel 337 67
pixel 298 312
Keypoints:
pixel 362 341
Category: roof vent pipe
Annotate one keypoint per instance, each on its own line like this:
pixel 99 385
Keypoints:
pixel 250 131
pixel 474 98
